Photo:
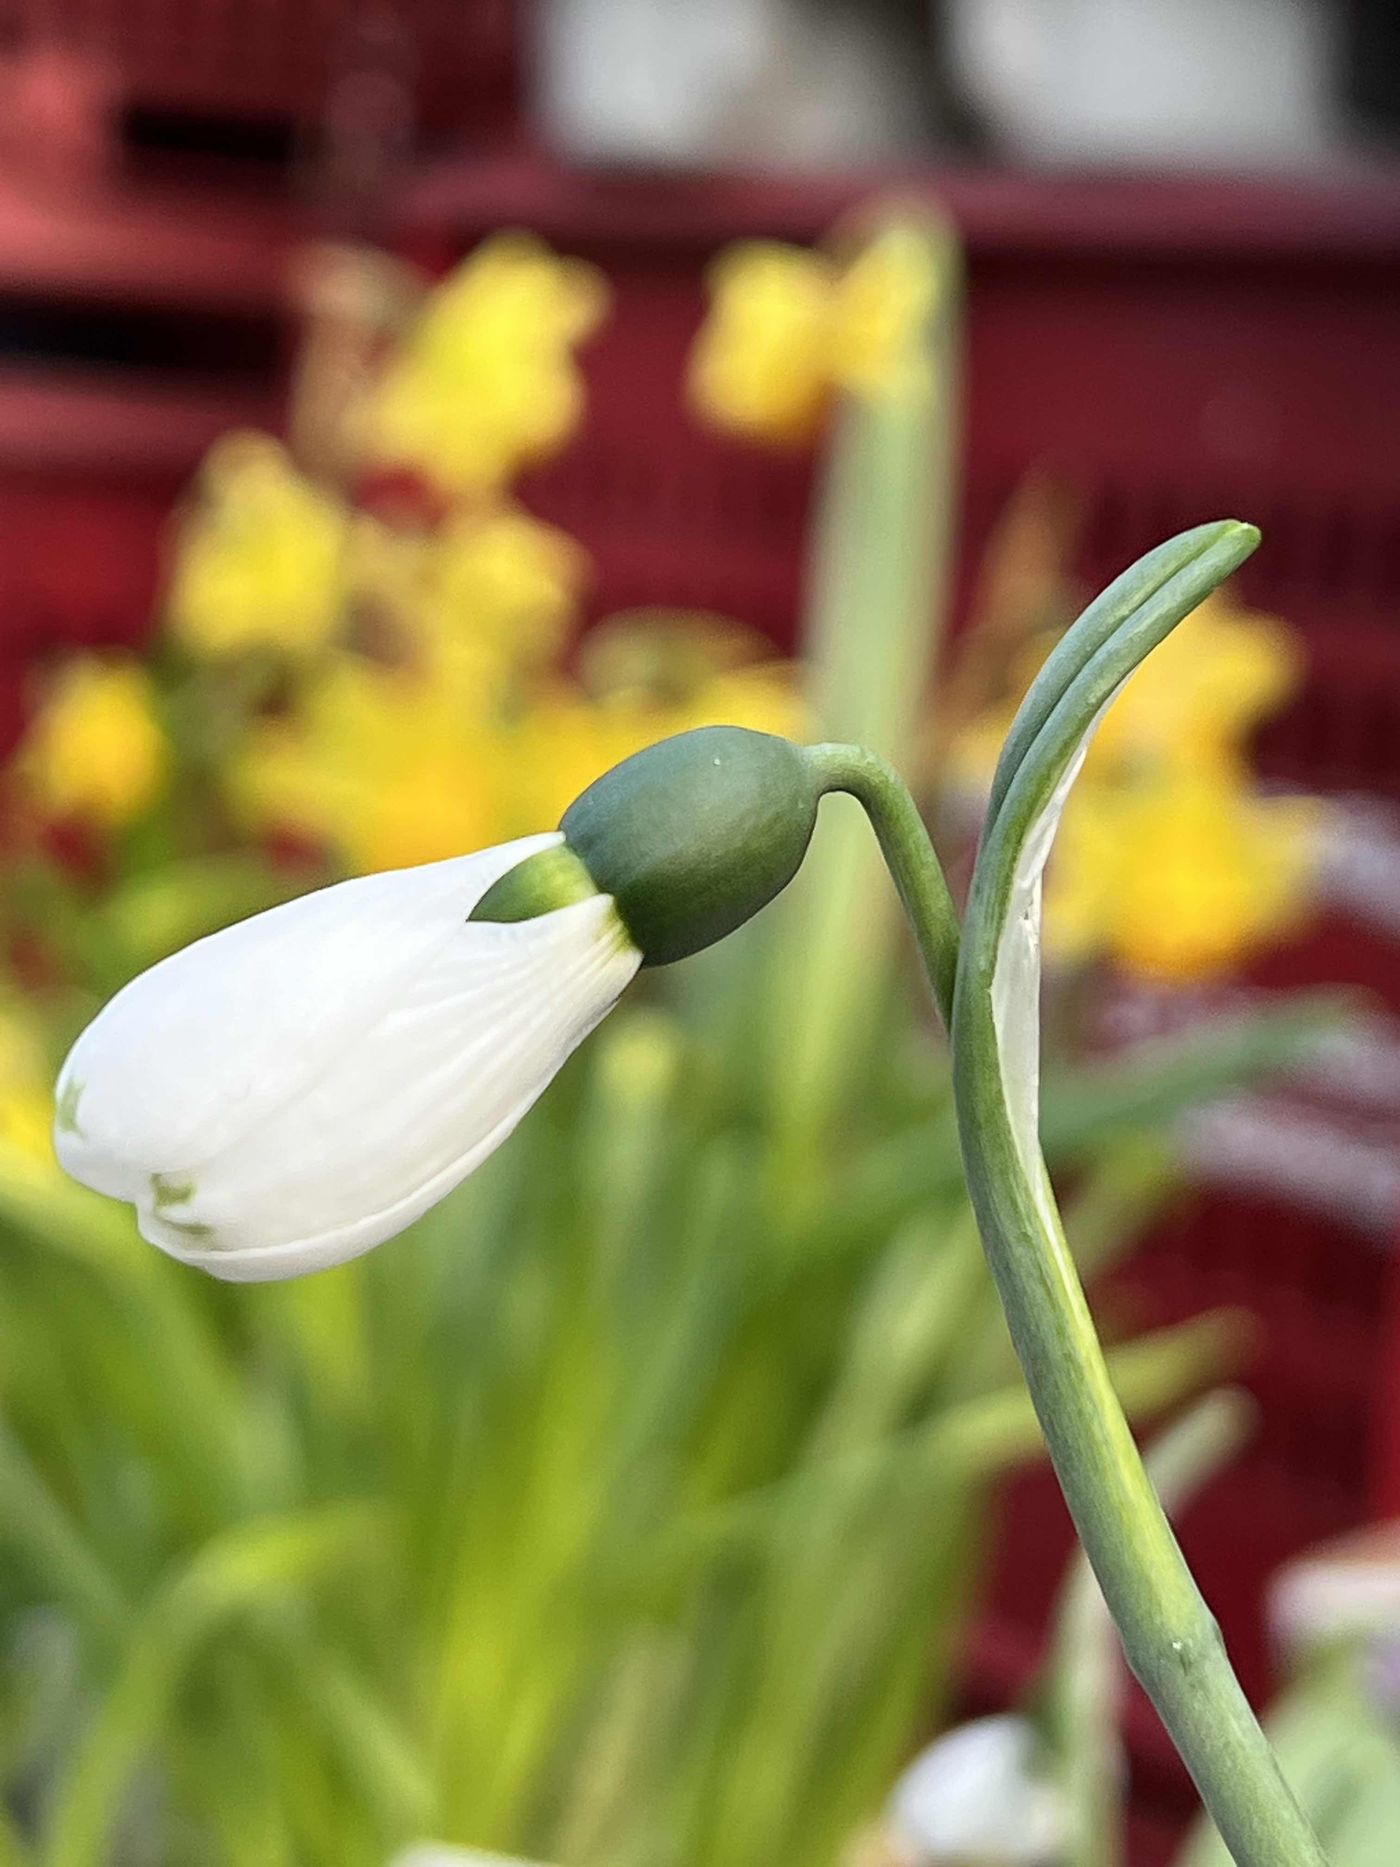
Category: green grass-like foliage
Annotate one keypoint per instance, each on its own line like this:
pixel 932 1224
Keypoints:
pixel 623 1511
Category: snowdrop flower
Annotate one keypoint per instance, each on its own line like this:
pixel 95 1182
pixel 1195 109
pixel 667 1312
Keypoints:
pixel 285 1094
pixel 289 1092
pixel 974 1795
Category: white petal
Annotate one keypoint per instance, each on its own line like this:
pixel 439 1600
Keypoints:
pixel 209 1043
pixel 973 1795
pixel 408 1108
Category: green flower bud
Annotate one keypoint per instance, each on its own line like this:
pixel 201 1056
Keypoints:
pixel 692 836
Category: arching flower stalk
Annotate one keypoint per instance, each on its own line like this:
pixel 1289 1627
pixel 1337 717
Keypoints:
pixel 1169 1635
pixel 290 1092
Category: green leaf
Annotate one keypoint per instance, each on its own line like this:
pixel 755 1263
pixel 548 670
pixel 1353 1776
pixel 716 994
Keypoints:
pixel 244 1569
pixel 879 590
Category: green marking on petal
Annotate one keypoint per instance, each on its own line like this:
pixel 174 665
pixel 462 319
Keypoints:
pixel 66 1113
pixel 170 1192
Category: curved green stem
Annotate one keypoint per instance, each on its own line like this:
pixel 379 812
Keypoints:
pixel 1170 1637
pixel 988 994
pixel 908 853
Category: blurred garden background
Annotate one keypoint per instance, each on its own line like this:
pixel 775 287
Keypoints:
pixel 408 408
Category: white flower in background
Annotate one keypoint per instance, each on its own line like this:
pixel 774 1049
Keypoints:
pixel 974 1795
pixel 293 1090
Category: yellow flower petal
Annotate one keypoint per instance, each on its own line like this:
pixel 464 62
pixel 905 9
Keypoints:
pixel 1084 874
pixel 26 1089
pixel 486 384
pixel 377 765
pixel 1203 875
pixel 500 592
pixel 95 751
pixel 883 303
pixel 762 364
pixel 787 326
pixel 1197 697
pixel 260 562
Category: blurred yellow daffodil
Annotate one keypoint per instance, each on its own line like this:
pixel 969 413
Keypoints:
pixel 26 1089
pixel 95 751
pixel 884 298
pixel 1218 675
pixel 261 560
pixel 477 604
pixel 485 382
pixel 762 365
pixel 375 763
pixel 566 740
pixel 655 656
pixel 644 675
pixel 391 765
pixel 787 326
pixel 499 593
pixel 1202 873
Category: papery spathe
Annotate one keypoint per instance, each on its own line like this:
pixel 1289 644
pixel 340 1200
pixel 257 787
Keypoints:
pixel 295 1089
